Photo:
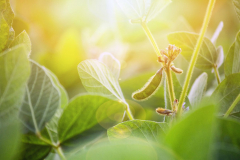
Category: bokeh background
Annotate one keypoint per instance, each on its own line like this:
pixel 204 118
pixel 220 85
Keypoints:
pixel 66 32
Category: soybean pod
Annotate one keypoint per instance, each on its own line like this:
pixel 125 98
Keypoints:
pixel 149 88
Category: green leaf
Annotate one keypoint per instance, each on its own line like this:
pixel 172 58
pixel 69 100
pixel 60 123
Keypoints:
pixel 24 39
pixel 7 12
pixel 85 112
pixel 192 136
pixel 9 138
pixel 231 64
pixel 207 57
pixel 98 79
pixel 30 152
pixel 4 30
pixel 147 130
pixel 126 150
pixel 142 9
pixel 226 93
pixel 227 145
pixel 236 4
pixel 41 101
pixel 63 92
pixel 198 90
pixel 14 71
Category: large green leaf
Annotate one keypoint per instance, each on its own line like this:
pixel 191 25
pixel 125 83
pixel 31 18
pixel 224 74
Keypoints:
pixel 227 145
pixel 98 79
pixel 41 101
pixel 24 39
pixel 192 136
pixel 32 152
pixel 4 29
pixel 236 4
pixel 14 71
pixel 85 112
pixel 9 140
pixel 207 57
pixel 226 93
pixel 142 9
pixel 147 130
pixel 232 62
pixel 198 90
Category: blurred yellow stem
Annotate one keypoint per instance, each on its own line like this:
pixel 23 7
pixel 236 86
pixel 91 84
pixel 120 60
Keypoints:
pixel 195 55
pixel 217 74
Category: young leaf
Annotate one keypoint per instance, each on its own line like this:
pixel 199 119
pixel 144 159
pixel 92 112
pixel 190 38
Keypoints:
pixel 97 79
pixel 79 115
pixel 4 30
pixel 41 101
pixel 7 12
pixel 149 88
pixel 142 9
pixel 220 56
pixel 236 4
pixel 147 130
pixel 198 89
pixel 197 125
pixel 227 139
pixel 24 39
pixel 207 57
pixel 14 71
pixel 232 62
pixel 226 93
pixel 217 32
pixel 112 63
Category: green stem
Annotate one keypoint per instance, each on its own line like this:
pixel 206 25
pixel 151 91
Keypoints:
pixel 128 111
pixel 230 109
pixel 170 86
pixel 60 153
pixel 217 74
pixel 151 38
pixel 195 55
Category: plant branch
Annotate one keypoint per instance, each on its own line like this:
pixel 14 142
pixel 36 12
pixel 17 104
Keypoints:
pixel 128 111
pixel 195 55
pixel 60 153
pixel 170 86
pixel 217 74
pixel 230 109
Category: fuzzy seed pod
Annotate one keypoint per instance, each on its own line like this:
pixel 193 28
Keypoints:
pixel 164 112
pixel 149 88
pixel 176 70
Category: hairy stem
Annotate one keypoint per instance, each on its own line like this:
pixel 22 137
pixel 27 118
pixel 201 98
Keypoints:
pixel 195 55
pixel 170 87
pixel 217 74
pixel 151 38
pixel 60 153
pixel 128 111
pixel 230 109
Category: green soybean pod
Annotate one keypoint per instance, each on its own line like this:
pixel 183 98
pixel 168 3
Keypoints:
pixel 149 88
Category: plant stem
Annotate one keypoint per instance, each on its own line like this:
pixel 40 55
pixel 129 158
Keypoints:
pixel 60 153
pixel 195 55
pixel 217 74
pixel 170 86
pixel 230 109
pixel 151 38
pixel 128 111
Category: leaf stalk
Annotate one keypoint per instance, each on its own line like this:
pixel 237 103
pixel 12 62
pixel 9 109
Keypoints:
pixel 230 109
pixel 217 74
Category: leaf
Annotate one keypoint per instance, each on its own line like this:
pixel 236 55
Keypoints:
pixel 126 150
pixel 192 136
pixel 63 92
pixel 24 39
pixel 147 130
pixel 227 139
pixel 41 101
pixel 220 56
pixel 8 13
pixel 97 79
pixel 14 71
pixel 226 93
pixel 236 4
pixel 112 63
pixel 217 32
pixel 198 90
pixel 9 138
pixel 142 9
pixel 232 61
pixel 4 30
pixel 207 57
pixel 81 115
pixel 30 152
